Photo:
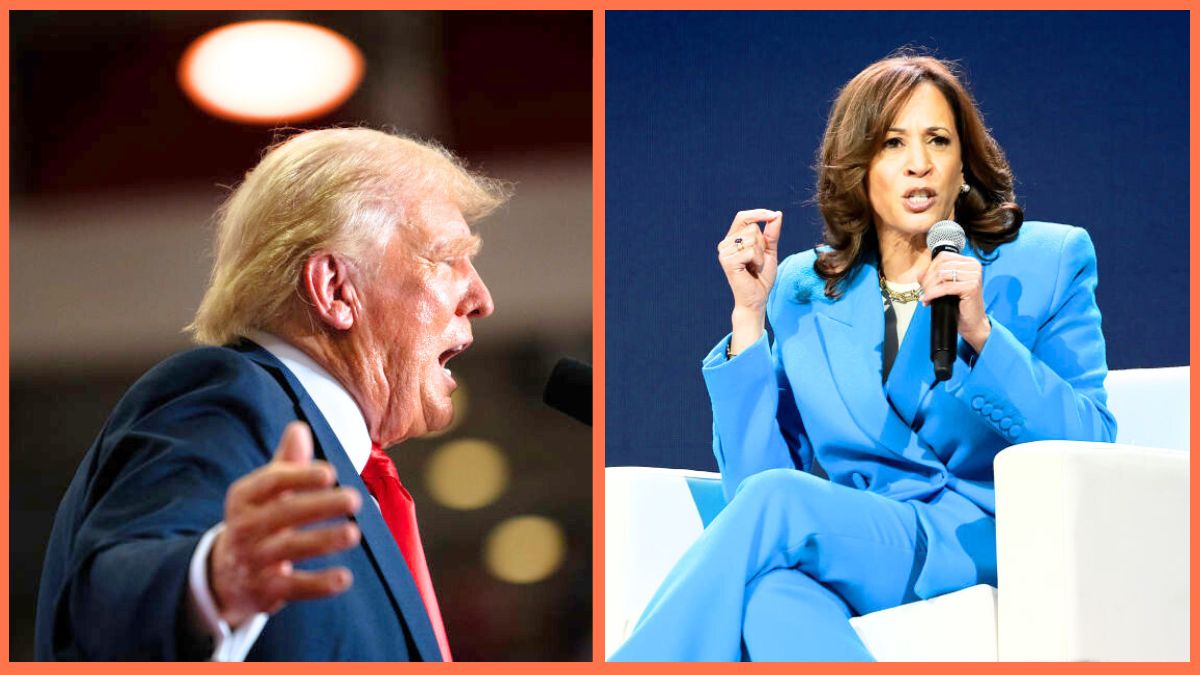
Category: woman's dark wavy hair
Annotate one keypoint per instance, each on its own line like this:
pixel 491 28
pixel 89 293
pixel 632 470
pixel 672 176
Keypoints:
pixel 857 129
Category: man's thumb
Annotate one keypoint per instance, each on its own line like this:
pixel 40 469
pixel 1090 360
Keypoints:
pixel 295 445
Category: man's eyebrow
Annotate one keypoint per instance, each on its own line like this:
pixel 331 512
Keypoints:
pixel 466 245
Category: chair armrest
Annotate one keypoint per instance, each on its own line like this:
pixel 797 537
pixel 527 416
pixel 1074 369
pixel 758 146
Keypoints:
pixel 650 520
pixel 1092 552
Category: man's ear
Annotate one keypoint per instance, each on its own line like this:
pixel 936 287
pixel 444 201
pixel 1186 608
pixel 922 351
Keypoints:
pixel 330 291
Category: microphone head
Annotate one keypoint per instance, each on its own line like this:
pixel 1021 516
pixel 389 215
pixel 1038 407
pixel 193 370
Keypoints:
pixel 946 235
pixel 570 389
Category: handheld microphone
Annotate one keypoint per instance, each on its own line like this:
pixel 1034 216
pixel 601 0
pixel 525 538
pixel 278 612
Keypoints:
pixel 946 235
pixel 570 389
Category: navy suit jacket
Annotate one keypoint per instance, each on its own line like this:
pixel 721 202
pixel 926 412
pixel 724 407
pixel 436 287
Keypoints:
pixel 817 394
pixel 115 581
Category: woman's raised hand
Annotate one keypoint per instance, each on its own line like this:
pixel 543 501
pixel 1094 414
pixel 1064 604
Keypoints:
pixel 750 257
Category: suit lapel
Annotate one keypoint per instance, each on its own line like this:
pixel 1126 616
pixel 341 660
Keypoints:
pixel 911 376
pixel 852 337
pixel 377 540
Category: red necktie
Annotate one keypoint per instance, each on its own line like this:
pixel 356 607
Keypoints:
pixel 400 514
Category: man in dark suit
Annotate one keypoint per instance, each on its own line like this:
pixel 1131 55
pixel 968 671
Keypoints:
pixel 238 504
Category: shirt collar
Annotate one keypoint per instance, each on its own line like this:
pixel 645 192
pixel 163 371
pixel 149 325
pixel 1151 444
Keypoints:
pixel 335 403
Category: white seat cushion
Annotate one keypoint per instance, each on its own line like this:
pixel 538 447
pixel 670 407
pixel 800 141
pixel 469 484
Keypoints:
pixel 650 520
pixel 1152 406
pixel 959 626
pixel 1093 545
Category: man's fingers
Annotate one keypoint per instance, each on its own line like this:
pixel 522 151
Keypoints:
pixel 279 586
pixel 304 585
pixel 299 509
pixel 267 483
pixel 295 445
pixel 303 544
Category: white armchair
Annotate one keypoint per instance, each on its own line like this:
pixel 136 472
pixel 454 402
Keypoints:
pixel 1092 545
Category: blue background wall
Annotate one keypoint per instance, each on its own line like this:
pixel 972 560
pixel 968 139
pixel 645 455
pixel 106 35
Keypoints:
pixel 709 113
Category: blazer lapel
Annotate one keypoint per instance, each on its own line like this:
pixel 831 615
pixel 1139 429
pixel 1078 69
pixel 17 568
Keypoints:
pixel 377 540
pixel 911 376
pixel 852 337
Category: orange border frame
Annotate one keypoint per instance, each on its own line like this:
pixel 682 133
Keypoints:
pixel 598 336
pixel 598 317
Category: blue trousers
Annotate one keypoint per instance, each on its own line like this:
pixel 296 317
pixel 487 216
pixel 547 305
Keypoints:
pixel 779 572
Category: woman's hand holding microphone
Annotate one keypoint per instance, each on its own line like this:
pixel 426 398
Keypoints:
pixel 750 257
pixel 958 275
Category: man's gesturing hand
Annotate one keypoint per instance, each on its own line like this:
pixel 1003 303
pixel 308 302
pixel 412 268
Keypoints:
pixel 250 566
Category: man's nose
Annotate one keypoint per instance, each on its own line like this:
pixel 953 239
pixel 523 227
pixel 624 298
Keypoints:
pixel 477 303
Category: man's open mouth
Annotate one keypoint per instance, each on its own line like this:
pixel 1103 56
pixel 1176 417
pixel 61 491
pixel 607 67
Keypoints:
pixel 452 352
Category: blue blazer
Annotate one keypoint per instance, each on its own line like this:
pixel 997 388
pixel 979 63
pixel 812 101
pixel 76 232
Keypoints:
pixel 817 394
pixel 115 581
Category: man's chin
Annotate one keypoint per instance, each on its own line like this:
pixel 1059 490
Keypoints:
pixel 438 416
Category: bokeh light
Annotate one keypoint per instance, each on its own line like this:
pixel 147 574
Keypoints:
pixel 524 549
pixel 465 474
pixel 270 71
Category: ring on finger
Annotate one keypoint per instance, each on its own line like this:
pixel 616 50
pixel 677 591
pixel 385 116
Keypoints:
pixel 739 243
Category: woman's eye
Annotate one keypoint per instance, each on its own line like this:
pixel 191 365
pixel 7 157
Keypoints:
pixel 941 140
pixel 892 143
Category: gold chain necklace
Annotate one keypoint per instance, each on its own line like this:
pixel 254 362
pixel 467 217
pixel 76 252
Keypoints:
pixel 894 296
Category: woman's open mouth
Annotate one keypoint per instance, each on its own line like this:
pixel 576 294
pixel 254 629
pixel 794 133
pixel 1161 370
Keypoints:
pixel 919 200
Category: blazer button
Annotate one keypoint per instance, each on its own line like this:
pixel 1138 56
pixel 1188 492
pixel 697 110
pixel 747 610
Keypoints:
pixel 977 402
pixel 997 414
pixel 1015 430
pixel 987 409
pixel 1005 423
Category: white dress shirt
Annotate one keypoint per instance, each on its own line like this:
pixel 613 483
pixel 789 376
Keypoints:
pixel 346 420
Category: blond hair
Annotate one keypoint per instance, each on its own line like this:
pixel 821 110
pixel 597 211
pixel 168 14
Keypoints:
pixel 344 191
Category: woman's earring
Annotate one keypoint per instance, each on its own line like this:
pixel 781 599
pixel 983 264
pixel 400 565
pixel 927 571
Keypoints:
pixel 965 188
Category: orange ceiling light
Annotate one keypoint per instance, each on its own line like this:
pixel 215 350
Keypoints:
pixel 268 72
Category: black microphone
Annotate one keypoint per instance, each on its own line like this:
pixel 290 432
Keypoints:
pixel 946 235
pixel 570 389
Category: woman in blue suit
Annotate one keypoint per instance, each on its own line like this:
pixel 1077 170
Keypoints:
pixel 846 389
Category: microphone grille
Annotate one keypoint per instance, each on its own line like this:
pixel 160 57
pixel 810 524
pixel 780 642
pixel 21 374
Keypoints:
pixel 946 233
